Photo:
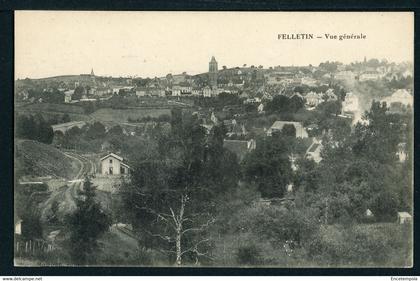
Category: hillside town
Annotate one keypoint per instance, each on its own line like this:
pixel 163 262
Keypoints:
pixel 242 165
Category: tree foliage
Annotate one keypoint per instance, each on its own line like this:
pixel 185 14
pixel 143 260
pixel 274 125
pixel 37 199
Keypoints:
pixel 85 226
pixel 172 189
pixel 268 166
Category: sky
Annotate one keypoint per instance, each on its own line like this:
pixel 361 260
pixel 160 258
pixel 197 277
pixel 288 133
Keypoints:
pixel 149 44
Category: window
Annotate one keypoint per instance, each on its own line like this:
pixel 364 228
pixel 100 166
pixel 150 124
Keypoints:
pixel 110 161
pixel 122 170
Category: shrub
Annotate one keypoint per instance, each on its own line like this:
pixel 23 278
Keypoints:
pixel 248 255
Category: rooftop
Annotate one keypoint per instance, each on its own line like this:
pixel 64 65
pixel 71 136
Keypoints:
pixel 279 124
pixel 112 155
pixel 404 215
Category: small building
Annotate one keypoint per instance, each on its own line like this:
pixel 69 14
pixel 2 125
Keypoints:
pixel 260 108
pixel 402 152
pixel 404 217
pixel 313 99
pixel 350 103
pixel 176 91
pixel 369 76
pixel 278 127
pixel 67 96
pixel 348 76
pixel 141 92
pixel 369 213
pixel 207 91
pixel 289 188
pixel 18 227
pixel 401 96
pixel 314 151
pixel 112 164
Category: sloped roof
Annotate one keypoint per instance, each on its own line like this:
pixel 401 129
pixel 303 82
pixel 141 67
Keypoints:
pixel 278 125
pixel 404 215
pixel 112 155
pixel 125 165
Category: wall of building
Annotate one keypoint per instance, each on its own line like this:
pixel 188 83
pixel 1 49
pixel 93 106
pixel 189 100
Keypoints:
pixel 105 165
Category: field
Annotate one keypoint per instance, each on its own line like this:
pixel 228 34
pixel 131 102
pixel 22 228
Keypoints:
pixel 48 110
pixel 63 108
pixel 122 115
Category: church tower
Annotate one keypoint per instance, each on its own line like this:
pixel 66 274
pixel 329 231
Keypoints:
pixel 92 76
pixel 213 72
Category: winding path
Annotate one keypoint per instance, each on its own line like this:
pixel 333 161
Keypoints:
pixel 67 197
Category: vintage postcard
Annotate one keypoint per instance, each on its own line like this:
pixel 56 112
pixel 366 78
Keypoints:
pixel 214 139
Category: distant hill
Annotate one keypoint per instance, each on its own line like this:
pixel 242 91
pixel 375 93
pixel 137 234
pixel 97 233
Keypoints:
pixel 64 78
pixel 38 159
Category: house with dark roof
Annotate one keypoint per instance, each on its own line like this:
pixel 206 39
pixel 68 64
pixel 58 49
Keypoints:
pixel 278 127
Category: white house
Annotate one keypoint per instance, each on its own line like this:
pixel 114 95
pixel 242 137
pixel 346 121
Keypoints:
pixel 313 99
pixel 113 164
pixel 351 103
pixel 67 96
pixel 345 76
pixel 207 91
pixel 176 91
pixel 401 96
pixel 402 152
pixel 141 92
pixel 404 217
pixel 18 227
pixel 369 76
pixel 314 151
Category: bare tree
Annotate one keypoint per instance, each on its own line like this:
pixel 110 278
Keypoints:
pixel 178 223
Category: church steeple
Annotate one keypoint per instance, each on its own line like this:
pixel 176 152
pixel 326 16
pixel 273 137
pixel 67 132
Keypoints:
pixel 92 73
pixel 213 72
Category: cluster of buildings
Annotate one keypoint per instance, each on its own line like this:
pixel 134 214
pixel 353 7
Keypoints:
pixel 246 82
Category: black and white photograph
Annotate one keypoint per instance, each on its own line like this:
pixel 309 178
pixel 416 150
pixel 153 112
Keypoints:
pixel 213 139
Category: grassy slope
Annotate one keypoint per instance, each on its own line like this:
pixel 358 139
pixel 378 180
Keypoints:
pixel 40 159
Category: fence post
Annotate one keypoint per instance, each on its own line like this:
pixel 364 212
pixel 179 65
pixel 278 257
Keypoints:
pixel 26 246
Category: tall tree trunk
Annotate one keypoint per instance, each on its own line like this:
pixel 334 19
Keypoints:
pixel 179 222
pixel 178 246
